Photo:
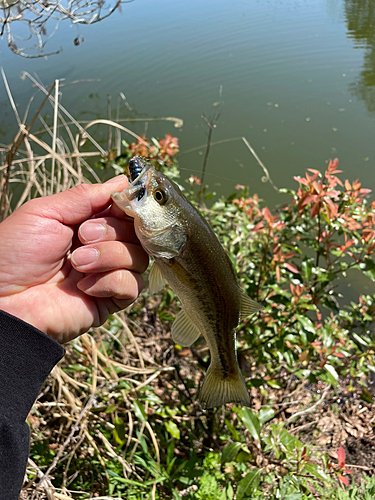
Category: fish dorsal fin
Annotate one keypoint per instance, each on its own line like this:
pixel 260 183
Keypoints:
pixel 248 306
pixel 184 331
pixel 155 279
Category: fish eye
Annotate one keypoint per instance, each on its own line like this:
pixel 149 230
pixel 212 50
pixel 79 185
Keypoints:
pixel 161 196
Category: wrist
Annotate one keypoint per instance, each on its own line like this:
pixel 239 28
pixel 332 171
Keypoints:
pixel 19 309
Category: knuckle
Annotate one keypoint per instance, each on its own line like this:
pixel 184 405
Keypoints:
pixel 129 285
pixel 117 279
pixel 81 188
pixel 31 206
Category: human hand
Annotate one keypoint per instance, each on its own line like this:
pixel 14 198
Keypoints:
pixel 60 295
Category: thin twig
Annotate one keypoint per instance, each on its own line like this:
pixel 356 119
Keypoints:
pixel 267 177
pixel 67 441
pixel 37 15
pixel 116 125
pixel 364 467
pixel 211 124
pixel 55 115
pixel 304 426
pixel 109 116
pixel 310 409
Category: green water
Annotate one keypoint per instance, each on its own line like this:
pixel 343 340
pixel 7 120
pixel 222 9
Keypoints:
pixel 295 77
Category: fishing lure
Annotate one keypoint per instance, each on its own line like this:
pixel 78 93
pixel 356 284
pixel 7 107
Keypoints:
pixel 136 165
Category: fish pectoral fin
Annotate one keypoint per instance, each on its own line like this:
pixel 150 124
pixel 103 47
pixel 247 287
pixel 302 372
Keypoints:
pixel 155 279
pixel 248 306
pixel 184 331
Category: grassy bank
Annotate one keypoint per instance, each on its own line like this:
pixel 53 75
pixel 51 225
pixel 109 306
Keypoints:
pixel 118 418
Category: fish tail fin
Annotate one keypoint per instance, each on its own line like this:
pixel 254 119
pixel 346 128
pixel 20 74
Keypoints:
pixel 217 390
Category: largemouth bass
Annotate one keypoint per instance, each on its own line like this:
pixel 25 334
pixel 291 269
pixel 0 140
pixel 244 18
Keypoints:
pixel 189 256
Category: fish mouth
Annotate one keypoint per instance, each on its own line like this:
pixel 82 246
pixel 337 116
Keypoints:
pixel 136 193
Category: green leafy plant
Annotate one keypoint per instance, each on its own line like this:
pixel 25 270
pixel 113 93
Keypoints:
pixel 291 261
pixel 143 436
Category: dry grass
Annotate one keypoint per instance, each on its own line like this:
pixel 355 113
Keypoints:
pixel 73 405
pixel 59 155
pixel 67 411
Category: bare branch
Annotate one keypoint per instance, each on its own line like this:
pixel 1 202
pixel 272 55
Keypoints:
pixel 211 124
pixel 36 21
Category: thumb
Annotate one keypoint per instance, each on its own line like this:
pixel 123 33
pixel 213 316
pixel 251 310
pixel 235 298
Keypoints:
pixel 80 202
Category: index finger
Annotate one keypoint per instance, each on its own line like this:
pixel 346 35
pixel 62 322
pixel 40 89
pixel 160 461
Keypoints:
pixel 78 203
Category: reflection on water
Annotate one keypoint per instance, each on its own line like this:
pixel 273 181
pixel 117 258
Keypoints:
pixel 360 18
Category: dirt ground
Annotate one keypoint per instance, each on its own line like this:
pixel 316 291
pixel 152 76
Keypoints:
pixel 319 416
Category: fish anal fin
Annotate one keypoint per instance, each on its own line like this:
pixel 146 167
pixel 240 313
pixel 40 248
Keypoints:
pixel 155 278
pixel 217 390
pixel 248 306
pixel 184 331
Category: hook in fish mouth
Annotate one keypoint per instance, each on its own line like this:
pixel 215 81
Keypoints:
pixel 136 191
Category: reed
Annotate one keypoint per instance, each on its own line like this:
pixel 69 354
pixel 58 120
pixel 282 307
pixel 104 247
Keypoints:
pixel 58 155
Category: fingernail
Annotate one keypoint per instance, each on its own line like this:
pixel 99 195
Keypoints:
pixel 118 178
pixel 92 231
pixel 84 256
pixel 87 282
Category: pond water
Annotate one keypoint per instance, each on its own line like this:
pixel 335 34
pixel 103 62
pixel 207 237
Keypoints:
pixel 295 77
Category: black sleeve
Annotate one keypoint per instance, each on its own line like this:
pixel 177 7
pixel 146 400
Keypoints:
pixel 26 358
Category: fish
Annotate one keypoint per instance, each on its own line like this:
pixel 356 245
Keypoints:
pixel 187 254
